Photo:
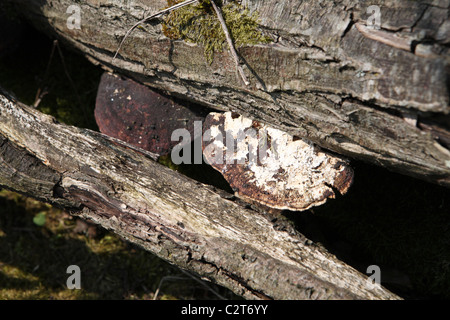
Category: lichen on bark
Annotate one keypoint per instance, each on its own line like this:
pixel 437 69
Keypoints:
pixel 199 24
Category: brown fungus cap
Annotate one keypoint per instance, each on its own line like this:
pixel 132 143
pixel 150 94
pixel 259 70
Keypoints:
pixel 136 114
pixel 271 167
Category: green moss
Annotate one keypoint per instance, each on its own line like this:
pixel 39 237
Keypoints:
pixel 34 260
pixel 199 24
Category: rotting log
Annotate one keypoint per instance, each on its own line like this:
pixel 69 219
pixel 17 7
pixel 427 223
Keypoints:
pixel 380 95
pixel 189 224
pixel 270 167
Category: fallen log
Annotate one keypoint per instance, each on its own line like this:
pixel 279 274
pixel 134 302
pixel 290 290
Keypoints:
pixel 187 223
pixel 365 79
pixel 288 175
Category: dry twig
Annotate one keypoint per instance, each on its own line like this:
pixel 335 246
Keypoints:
pixel 222 22
pixel 230 42
pixel 174 7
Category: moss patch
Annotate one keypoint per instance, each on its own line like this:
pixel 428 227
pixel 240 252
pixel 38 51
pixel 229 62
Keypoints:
pixel 34 259
pixel 199 24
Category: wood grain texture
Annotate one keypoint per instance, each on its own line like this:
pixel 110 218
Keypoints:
pixel 187 223
pixel 326 76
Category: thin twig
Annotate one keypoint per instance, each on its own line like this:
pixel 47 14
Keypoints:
pixel 74 87
pixel 155 295
pixel 66 71
pixel 230 42
pixel 43 91
pixel 174 7
pixel 221 20
pixel 203 283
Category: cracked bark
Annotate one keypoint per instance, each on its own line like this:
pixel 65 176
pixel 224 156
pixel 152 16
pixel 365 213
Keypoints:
pixel 326 77
pixel 180 220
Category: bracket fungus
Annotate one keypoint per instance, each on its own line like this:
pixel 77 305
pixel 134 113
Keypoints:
pixel 136 114
pixel 271 167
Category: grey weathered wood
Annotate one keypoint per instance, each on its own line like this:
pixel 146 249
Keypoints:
pixel 327 76
pixel 182 221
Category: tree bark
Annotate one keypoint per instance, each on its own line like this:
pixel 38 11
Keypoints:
pixel 189 224
pixel 380 95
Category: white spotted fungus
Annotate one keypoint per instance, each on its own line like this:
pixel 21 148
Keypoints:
pixel 271 167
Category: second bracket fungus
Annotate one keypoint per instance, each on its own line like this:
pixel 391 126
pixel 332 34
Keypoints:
pixel 136 114
pixel 271 167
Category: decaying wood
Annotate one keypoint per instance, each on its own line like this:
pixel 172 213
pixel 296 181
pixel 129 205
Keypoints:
pixel 270 166
pixel 134 113
pixel 328 76
pixel 261 163
pixel 180 220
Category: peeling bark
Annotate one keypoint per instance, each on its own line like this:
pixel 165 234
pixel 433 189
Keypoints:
pixel 180 220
